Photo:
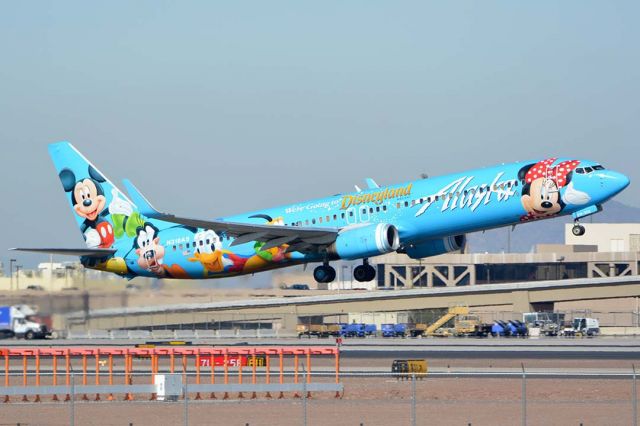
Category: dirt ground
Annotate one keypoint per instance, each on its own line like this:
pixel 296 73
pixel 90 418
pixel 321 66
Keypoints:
pixel 367 401
pixel 380 401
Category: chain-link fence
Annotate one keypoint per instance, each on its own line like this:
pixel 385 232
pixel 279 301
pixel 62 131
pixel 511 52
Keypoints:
pixel 604 397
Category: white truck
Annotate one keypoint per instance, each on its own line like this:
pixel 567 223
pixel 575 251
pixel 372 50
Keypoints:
pixel 583 327
pixel 18 321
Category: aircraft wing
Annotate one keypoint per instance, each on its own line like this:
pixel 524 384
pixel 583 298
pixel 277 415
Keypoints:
pixel 303 239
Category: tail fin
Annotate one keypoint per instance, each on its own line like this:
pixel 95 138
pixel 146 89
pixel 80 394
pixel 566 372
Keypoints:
pixel 103 213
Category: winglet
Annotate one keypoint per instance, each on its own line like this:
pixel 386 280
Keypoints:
pixel 372 183
pixel 144 206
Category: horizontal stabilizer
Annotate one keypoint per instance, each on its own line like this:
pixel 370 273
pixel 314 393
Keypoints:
pixel 86 252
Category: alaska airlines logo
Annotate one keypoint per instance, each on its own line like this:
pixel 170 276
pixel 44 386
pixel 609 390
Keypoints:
pixel 377 197
pixel 458 194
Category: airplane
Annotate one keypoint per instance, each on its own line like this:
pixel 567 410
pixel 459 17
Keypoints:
pixel 126 235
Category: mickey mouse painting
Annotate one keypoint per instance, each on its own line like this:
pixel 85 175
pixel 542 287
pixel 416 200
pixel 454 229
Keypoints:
pixel 541 191
pixel 88 200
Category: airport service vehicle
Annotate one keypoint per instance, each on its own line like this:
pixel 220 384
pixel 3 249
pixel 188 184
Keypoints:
pixel 319 330
pixel 470 325
pixel 421 218
pixel 388 330
pixel 549 323
pixel 583 327
pixel 18 321
pixel 299 287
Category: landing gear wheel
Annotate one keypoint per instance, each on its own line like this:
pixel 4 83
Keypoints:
pixel 578 230
pixel 324 274
pixel 364 273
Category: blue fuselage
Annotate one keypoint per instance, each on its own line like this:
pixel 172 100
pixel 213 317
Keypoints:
pixel 421 210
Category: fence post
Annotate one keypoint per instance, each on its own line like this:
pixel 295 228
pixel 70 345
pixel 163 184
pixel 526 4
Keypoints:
pixel 186 404
pixel 524 396
pixel 72 409
pixel 635 397
pixel 304 401
pixel 413 399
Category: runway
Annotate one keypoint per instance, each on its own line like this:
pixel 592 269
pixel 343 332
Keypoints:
pixel 609 348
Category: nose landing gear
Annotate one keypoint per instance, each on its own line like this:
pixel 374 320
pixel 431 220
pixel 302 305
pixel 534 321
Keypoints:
pixel 577 230
pixel 324 273
pixel 364 272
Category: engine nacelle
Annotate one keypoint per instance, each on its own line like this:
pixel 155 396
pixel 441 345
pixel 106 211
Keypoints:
pixel 366 241
pixel 436 247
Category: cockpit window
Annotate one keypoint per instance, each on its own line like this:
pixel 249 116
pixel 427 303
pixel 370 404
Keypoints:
pixel 583 170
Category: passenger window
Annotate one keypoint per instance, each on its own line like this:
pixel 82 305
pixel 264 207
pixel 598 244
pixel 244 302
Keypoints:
pixel 406 204
pixel 313 220
pixel 364 211
pixel 187 245
pixel 342 215
pixel 384 208
pixel 580 170
pixel 377 209
pixel 174 248
pixel 398 205
pixel 328 218
pixel 335 217
pixel 180 246
pixel 370 209
pixel 320 219
pixel 351 214
pixel 306 222
pixel 588 169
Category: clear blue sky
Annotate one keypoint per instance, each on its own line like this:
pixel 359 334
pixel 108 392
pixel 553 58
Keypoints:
pixel 213 108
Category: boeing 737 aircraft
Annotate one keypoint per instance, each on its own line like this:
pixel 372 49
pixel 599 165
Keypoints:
pixel 427 217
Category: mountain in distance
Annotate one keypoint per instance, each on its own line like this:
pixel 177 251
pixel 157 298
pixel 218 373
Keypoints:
pixel 551 231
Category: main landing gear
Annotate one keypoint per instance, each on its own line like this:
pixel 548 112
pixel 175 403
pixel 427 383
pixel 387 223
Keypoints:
pixel 577 230
pixel 324 273
pixel 364 272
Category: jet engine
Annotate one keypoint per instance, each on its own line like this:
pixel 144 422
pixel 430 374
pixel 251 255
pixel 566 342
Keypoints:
pixel 365 241
pixel 435 247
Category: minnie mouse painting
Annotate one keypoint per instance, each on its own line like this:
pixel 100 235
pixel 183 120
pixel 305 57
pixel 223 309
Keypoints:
pixel 542 183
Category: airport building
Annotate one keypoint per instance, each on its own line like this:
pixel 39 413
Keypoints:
pixel 588 276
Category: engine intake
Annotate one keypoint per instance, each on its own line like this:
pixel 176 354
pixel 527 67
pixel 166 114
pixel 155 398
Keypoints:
pixel 436 247
pixel 365 241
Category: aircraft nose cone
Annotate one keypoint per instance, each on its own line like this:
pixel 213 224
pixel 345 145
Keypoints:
pixel 617 181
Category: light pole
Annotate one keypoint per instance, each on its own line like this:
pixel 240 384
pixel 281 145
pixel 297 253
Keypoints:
pixel 11 262
pixel 18 267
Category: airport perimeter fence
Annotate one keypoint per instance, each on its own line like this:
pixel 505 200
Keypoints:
pixel 367 398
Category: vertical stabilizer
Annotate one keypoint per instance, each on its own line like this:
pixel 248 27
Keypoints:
pixel 103 213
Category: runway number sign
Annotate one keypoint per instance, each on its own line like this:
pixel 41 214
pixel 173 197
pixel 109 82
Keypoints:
pixel 233 361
